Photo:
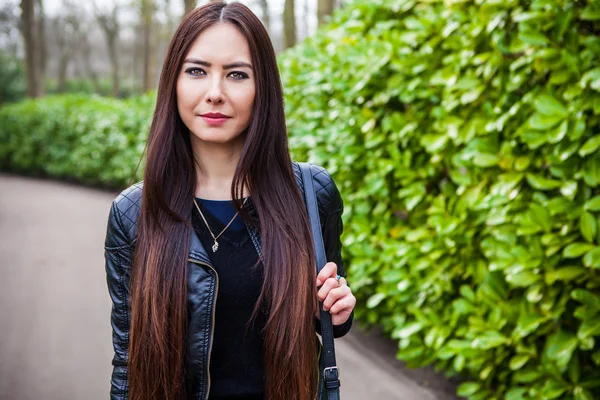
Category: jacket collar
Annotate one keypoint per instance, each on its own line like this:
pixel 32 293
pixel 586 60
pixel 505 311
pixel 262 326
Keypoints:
pixel 197 250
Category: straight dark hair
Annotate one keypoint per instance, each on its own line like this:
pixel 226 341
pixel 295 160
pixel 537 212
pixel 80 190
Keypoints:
pixel 159 319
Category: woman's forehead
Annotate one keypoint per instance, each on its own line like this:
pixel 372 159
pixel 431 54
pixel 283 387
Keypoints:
pixel 220 44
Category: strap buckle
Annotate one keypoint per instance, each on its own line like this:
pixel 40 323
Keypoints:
pixel 331 377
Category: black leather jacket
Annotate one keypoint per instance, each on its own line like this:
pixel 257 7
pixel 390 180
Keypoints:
pixel 202 282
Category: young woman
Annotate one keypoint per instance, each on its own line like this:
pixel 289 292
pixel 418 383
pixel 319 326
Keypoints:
pixel 209 260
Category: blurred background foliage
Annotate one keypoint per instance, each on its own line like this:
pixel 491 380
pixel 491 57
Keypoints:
pixel 463 136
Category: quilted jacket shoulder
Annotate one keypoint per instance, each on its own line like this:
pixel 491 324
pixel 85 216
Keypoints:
pixel 123 218
pixel 328 195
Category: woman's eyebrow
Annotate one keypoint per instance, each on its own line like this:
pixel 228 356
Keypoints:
pixel 226 66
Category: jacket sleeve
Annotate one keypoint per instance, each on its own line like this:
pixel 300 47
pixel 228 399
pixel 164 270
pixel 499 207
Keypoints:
pixel 118 253
pixel 332 230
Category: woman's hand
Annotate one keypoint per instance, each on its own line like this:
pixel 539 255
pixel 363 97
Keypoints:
pixel 338 300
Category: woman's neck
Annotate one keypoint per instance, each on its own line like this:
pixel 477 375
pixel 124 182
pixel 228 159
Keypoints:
pixel 216 167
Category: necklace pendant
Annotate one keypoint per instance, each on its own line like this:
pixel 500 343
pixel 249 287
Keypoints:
pixel 215 247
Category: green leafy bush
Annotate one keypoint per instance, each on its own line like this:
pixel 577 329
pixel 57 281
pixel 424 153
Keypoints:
pixel 91 139
pixel 12 78
pixel 464 138
pixel 127 87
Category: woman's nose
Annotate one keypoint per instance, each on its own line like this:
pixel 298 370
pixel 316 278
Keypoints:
pixel 215 94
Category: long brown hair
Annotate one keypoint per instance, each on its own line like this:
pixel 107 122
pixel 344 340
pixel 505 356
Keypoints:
pixel 159 319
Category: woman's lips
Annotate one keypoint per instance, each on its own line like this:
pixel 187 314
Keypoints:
pixel 215 121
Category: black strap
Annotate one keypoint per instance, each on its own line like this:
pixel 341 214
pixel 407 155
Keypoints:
pixel 330 372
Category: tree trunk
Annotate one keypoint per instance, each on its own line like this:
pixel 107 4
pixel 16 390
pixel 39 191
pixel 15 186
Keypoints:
pixel 84 45
pixel 149 47
pixel 114 63
pixel 29 30
pixel 62 37
pixel 170 25
pixel 266 17
pixel 109 22
pixel 188 5
pixel 305 16
pixel 289 24
pixel 325 8
pixel 42 36
pixel 62 72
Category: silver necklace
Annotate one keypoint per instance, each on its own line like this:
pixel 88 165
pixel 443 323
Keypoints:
pixel 215 246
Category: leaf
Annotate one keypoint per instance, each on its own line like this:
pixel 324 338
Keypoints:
pixel 587 224
pixel 592 76
pixel 574 368
pixel 542 122
pixel 590 13
pixel 533 37
pixel 592 259
pixel 489 340
pixel 553 389
pixel 548 105
pixel 467 389
pixel 559 348
pixel 541 183
pixel 591 170
pixel 467 293
pixel 413 194
pixel 592 204
pixel 523 279
pixel 590 146
pixel 434 143
pixel 375 300
pixel 580 393
pixel 559 133
pixel 575 250
pixel 409 330
pixel 485 159
pixel 589 328
pixel 577 130
pixel 527 376
pixel 564 274
pixel 521 163
pixel 569 189
pixel 541 216
pixel 586 297
pixel 516 393
pixel 518 361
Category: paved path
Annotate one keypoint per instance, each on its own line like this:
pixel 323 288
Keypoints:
pixel 55 336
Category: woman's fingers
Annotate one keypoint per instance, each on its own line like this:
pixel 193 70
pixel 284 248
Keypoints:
pixel 330 284
pixel 329 270
pixel 346 303
pixel 334 295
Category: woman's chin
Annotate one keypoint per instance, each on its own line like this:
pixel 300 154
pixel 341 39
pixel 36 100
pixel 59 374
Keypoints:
pixel 216 137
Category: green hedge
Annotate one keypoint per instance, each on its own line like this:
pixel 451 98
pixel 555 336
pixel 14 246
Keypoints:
pixel 127 87
pixel 92 139
pixel 12 78
pixel 464 138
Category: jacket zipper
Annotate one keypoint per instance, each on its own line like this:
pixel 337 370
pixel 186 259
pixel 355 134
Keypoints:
pixel 212 328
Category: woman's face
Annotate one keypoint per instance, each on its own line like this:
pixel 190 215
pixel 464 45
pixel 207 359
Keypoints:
pixel 217 77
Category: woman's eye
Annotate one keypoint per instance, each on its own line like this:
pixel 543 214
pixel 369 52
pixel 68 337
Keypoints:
pixel 190 70
pixel 240 75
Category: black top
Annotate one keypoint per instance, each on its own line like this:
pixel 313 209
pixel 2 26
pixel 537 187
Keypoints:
pixel 236 363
